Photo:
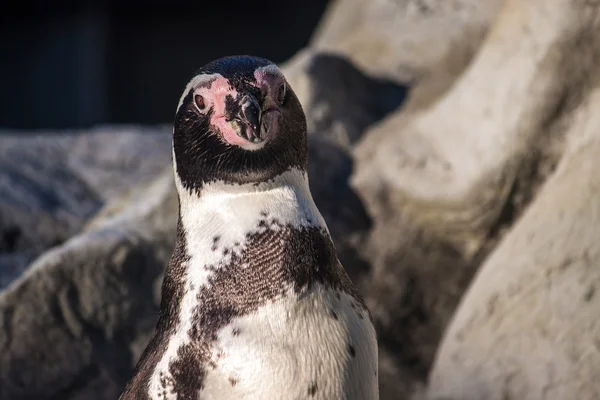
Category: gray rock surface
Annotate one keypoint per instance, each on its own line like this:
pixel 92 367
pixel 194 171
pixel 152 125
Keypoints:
pixel 404 39
pixel 341 100
pixel 341 103
pixel 52 183
pixel 69 325
pixel 529 326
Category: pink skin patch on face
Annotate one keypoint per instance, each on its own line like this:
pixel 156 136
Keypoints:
pixel 214 95
pixel 215 92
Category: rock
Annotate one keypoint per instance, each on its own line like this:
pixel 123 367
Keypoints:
pixel 529 326
pixel 13 265
pixel 329 169
pixel 444 181
pixel 403 39
pixel 50 184
pixel 340 100
pixel 341 103
pixel 114 158
pixel 415 283
pixel 70 323
pixel 453 165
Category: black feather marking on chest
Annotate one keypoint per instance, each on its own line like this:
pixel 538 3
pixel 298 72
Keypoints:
pixel 275 258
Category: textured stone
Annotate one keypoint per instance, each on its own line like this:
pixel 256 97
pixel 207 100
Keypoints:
pixel 341 103
pixel 51 183
pixel 403 39
pixel 68 323
pixel 340 100
pixel 529 326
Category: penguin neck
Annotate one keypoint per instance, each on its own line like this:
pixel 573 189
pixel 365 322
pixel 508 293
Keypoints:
pixel 286 197
pixel 217 221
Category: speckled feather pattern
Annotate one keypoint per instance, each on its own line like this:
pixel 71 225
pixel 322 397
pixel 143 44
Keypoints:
pixel 266 309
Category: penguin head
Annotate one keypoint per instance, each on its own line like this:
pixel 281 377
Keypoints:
pixel 240 122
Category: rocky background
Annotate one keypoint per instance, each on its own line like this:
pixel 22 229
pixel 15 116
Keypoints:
pixel 454 148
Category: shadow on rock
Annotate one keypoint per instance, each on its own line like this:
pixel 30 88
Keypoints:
pixel 345 100
pixel 342 104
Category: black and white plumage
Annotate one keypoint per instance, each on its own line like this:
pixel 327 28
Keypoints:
pixel 255 303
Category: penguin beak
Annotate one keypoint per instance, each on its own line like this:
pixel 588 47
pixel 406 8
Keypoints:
pixel 247 121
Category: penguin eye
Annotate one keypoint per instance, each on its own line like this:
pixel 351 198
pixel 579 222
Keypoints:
pixel 281 93
pixel 200 103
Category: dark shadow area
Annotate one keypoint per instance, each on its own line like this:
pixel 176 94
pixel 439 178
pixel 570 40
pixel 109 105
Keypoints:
pixel 354 101
pixel 73 64
pixel 357 99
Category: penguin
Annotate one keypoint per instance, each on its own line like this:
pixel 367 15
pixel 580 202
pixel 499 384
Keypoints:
pixel 255 302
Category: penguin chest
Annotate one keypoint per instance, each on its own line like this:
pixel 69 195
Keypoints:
pixel 319 345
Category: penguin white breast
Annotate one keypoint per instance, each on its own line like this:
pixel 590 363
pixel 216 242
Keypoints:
pixel 319 346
